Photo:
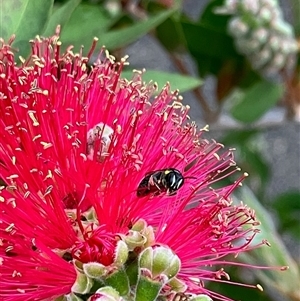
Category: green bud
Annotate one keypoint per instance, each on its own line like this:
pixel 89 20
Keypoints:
pixel 106 293
pixel 149 234
pixel 94 270
pixel 139 226
pixel 165 262
pixel 71 297
pixel 134 240
pixel 177 285
pixel 78 266
pixel 145 259
pixel 161 261
pixel 121 253
pixel 91 214
pixel 200 298
pixel 82 285
pixel 140 235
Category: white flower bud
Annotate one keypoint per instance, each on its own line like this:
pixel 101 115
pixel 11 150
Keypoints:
pixel 237 27
pixel 290 61
pixel 250 6
pixel 113 7
pixel 288 46
pixel 229 7
pixel 274 42
pixel 271 3
pixel 278 60
pixel 264 15
pixel 231 4
pixel 247 46
pixel 261 58
pixel 260 35
pixel 269 72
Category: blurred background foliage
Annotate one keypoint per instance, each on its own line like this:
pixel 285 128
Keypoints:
pixel 247 49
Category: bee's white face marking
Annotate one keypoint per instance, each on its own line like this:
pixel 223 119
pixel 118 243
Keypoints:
pixel 179 183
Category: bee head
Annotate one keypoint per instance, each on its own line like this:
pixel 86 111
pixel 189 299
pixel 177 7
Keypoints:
pixel 172 179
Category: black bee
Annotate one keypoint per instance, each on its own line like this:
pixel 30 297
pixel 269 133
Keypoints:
pixel 167 180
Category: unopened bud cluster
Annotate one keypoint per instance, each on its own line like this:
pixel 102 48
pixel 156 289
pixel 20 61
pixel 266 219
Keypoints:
pixel 261 34
pixel 142 270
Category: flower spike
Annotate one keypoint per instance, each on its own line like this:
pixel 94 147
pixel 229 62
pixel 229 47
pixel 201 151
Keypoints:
pixel 76 145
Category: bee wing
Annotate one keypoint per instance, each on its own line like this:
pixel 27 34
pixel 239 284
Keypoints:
pixel 142 191
pixel 191 164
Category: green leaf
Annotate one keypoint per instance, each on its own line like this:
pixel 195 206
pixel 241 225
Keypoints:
pixel 228 77
pixel 86 22
pixel 256 101
pixel 288 199
pixel 122 37
pixel 237 137
pixel 209 47
pixel 256 164
pixel 205 40
pixel 208 65
pixel 89 21
pixel 170 34
pixel 286 282
pixel 25 18
pixel 122 22
pixel 61 16
pixel 250 158
pixel 250 78
pixel 177 81
pixel 287 206
pixel 210 18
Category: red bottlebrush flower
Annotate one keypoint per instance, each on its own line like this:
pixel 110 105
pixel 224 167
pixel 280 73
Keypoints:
pixel 75 145
pixel 29 271
pixel 206 236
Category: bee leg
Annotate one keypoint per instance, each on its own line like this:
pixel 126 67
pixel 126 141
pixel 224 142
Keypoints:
pixel 154 181
pixel 151 182
pixel 170 193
